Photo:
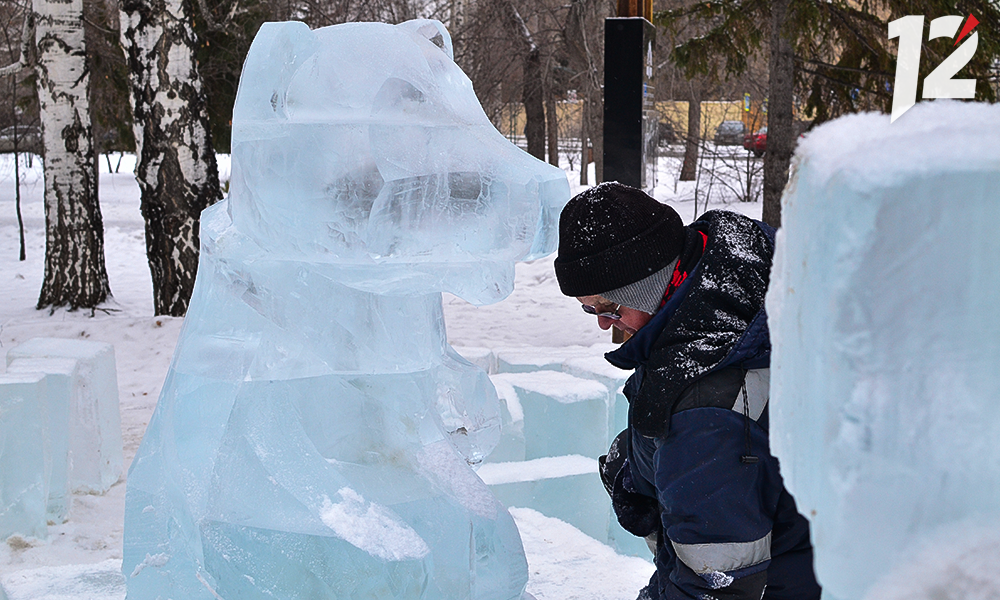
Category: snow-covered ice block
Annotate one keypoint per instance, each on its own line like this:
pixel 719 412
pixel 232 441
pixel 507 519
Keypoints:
pixel 884 320
pixel 98 581
pixel 565 487
pixel 511 445
pixel 541 358
pixel 95 433
pixel 584 362
pixel 563 414
pixel 25 461
pixel 528 359
pixel 481 357
pixel 60 377
pixel 591 364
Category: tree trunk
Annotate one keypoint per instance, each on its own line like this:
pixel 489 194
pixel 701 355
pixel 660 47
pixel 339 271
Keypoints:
pixel 584 35
pixel 780 133
pixel 584 140
pixel 689 168
pixel 552 121
pixel 176 167
pixel 74 231
pixel 596 102
pixel 534 111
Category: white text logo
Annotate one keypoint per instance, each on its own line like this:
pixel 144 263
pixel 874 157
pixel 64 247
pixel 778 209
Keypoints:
pixel 939 82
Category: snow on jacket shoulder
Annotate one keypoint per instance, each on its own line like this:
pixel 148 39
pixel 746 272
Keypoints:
pixel 707 328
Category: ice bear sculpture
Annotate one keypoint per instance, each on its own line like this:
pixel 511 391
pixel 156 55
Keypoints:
pixel 315 430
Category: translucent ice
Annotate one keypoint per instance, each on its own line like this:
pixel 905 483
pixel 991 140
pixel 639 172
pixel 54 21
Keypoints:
pixel 25 459
pixel 883 308
pixel 314 434
pixel 94 443
pixel 59 385
pixel 565 487
pixel 558 416
pixel 562 414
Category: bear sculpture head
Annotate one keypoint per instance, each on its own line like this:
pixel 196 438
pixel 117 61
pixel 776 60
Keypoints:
pixel 363 145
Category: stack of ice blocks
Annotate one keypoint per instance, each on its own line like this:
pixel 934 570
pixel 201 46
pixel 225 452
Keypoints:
pixel 60 430
pixel 561 409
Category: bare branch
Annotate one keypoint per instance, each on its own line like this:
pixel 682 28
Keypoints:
pixel 838 68
pixel 845 83
pixel 27 38
pixel 213 25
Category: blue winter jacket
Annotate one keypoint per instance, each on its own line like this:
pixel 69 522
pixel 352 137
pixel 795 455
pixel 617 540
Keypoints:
pixel 698 441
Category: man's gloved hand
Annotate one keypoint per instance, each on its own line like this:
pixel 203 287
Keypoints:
pixel 611 463
pixel 637 514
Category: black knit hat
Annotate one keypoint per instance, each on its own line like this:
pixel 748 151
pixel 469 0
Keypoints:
pixel 612 235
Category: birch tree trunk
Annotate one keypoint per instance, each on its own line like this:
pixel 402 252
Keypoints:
pixel 176 167
pixel 74 231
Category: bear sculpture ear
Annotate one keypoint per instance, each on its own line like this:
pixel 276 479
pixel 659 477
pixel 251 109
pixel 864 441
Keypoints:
pixel 277 52
pixel 431 30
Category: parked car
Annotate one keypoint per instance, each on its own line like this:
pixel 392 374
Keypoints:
pixel 730 133
pixel 756 142
pixel 29 139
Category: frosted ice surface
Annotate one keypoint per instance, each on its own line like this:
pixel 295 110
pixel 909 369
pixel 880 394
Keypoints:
pixel 99 581
pixel 95 458
pixel 25 461
pixel 60 376
pixel 883 316
pixel 314 434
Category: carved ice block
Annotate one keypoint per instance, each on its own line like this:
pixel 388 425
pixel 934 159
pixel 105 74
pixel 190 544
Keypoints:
pixel 94 445
pixel 25 462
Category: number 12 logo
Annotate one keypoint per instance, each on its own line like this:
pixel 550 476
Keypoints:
pixel 939 82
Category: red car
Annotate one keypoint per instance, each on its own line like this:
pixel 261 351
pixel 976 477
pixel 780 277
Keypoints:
pixel 756 142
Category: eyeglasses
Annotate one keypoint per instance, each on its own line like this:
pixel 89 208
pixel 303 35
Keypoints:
pixel 592 310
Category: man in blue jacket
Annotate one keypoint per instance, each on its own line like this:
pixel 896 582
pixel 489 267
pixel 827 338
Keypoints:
pixel 693 473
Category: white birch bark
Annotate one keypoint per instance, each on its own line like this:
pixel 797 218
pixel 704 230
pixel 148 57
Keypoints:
pixel 176 168
pixel 74 245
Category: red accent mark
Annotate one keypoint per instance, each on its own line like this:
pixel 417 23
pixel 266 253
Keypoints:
pixel 970 24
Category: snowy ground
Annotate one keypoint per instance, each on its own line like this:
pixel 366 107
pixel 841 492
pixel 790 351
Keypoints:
pixel 564 564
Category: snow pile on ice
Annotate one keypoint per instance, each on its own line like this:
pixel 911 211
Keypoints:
pixel 314 434
pixel 885 385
